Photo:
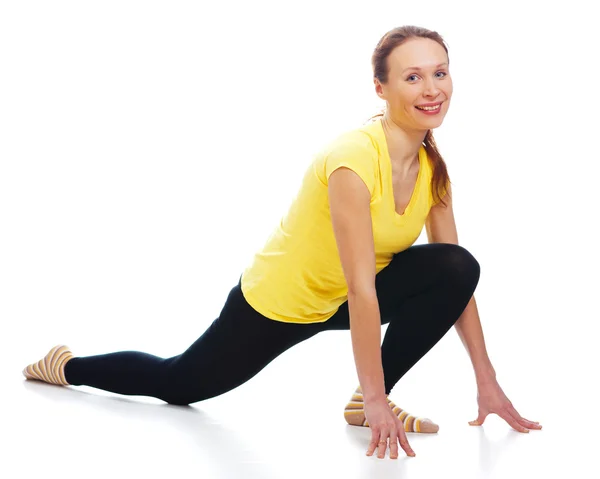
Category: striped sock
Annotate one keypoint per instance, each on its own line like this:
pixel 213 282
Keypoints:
pixel 355 415
pixel 51 367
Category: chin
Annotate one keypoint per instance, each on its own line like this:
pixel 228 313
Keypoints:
pixel 433 123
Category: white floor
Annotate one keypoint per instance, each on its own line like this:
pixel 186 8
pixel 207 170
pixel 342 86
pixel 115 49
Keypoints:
pixel 287 423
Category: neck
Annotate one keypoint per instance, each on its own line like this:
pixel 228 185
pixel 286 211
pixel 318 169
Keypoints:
pixel 403 144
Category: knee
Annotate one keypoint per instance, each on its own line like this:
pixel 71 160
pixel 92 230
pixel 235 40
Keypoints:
pixel 463 266
pixel 178 396
pixel 182 391
pixel 175 401
pixel 176 388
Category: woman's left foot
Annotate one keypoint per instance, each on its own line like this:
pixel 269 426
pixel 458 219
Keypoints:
pixel 355 416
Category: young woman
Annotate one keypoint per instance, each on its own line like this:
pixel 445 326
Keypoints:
pixel 343 257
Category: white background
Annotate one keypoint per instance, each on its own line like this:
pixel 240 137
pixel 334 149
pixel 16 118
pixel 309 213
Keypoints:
pixel 147 149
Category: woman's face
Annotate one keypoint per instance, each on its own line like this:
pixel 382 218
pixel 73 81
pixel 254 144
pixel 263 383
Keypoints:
pixel 418 74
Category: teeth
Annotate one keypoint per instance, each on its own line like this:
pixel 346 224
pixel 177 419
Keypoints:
pixel 429 108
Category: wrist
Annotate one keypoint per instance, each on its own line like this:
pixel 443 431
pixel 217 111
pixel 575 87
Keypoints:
pixel 374 395
pixel 485 376
pixel 375 400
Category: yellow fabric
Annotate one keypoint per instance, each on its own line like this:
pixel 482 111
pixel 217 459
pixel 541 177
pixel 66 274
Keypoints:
pixel 297 276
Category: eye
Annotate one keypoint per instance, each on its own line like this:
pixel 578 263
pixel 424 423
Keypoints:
pixel 414 75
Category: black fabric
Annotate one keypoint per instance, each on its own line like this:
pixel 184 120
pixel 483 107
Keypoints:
pixel 421 294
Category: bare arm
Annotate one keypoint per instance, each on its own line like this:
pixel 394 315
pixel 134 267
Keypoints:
pixel 349 202
pixel 441 228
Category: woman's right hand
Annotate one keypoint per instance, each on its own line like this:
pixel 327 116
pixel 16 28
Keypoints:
pixel 385 425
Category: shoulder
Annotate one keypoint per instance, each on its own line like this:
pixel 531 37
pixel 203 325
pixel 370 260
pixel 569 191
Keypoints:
pixel 354 150
pixel 359 140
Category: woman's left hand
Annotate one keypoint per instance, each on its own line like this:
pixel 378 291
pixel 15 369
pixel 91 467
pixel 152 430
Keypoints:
pixel 491 399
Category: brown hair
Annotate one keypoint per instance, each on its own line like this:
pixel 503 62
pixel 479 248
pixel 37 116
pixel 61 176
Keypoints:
pixel 388 42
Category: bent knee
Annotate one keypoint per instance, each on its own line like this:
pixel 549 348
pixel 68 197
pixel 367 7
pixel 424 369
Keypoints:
pixel 462 263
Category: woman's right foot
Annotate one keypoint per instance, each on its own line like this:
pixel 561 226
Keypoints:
pixel 51 368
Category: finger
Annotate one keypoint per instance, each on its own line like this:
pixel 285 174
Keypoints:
pixel 382 443
pixel 530 424
pixel 373 443
pixel 525 422
pixel 404 442
pixel 480 418
pixel 507 416
pixel 394 444
pixel 522 421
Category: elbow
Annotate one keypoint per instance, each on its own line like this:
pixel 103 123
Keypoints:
pixel 361 291
pixel 361 286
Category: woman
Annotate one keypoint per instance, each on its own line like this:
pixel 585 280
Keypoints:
pixel 342 258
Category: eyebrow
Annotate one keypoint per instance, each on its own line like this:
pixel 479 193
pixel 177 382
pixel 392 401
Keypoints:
pixel 417 68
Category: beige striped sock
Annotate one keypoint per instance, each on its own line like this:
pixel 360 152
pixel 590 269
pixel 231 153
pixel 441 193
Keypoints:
pixel 51 367
pixel 355 415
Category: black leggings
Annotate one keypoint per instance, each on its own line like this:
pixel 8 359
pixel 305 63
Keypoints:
pixel 421 294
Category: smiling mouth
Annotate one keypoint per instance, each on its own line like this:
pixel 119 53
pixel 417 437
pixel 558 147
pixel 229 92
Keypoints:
pixel 429 108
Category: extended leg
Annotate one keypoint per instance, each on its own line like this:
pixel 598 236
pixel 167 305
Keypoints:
pixel 237 345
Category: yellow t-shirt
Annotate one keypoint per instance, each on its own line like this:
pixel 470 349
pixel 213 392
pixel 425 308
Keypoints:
pixel 297 277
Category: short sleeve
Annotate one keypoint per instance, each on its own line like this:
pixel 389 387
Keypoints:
pixel 356 153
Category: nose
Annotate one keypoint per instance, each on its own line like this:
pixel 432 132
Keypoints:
pixel 431 89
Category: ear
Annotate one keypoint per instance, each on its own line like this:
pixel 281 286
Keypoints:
pixel 379 89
